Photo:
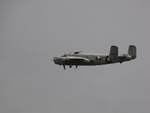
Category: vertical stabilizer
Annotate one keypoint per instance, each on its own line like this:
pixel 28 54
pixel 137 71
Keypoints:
pixel 132 51
pixel 113 52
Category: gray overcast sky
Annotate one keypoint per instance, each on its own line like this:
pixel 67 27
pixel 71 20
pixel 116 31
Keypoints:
pixel 31 31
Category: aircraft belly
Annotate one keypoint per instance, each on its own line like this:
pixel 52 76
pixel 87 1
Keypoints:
pixel 79 63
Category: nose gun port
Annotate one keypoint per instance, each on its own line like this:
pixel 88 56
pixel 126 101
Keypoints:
pixel 57 60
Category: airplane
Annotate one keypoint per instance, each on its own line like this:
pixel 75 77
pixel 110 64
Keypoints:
pixel 79 59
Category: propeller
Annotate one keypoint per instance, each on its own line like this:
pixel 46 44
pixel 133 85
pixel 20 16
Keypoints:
pixel 76 66
pixel 64 67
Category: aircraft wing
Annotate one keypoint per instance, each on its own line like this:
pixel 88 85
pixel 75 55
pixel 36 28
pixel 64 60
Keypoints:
pixel 78 59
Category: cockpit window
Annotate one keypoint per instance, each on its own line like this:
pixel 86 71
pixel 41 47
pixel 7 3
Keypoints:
pixel 64 55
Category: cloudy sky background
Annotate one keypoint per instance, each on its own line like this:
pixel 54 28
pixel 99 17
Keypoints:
pixel 32 31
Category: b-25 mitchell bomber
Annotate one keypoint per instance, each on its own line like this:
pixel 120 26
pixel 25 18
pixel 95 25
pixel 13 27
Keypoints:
pixel 80 59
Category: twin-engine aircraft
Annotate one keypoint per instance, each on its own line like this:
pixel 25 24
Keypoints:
pixel 79 59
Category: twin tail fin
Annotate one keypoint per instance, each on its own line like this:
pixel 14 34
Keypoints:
pixel 132 51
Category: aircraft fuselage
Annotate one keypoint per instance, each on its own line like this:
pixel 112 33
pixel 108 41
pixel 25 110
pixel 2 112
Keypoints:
pixel 78 59
pixel 93 60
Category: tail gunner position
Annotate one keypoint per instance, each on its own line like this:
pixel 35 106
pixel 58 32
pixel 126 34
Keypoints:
pixel 79 59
